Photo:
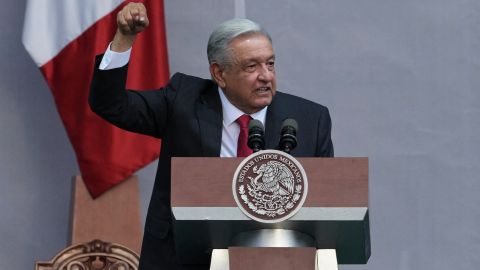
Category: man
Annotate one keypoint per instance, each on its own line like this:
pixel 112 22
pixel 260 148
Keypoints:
pixel 197 117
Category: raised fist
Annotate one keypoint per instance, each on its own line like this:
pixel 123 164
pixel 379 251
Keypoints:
pixel 132 19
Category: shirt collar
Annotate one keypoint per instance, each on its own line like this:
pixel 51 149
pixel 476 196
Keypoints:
pixel 231 113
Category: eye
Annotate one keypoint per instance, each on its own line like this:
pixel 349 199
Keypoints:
pixel 250 67
pixel 271 64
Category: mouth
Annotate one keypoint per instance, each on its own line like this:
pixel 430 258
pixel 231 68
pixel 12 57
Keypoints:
pixel 263 89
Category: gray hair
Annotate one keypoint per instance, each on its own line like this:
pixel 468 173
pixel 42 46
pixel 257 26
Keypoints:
pixel 218 50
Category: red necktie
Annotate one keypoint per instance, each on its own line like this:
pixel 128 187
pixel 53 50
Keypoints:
pixel 242 147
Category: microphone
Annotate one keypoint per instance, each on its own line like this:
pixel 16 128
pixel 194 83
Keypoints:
pixel 288 138
pixel 255 135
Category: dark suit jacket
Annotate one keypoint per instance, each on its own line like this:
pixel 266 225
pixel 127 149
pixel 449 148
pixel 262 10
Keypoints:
pixel 187 115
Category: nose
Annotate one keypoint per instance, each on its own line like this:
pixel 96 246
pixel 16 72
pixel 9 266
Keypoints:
pixel 266 73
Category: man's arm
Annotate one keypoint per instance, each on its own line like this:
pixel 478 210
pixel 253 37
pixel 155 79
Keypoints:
pixel 131 20
pixel 113 59
pixel 143 112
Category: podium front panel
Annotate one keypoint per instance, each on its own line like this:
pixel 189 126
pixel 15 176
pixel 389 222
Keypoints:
pixel 335 212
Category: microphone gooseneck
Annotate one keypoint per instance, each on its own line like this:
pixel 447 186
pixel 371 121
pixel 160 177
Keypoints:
pixel 288 137
pixel 256 140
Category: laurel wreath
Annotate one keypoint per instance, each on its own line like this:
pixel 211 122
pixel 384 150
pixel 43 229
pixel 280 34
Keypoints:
pixel 257 198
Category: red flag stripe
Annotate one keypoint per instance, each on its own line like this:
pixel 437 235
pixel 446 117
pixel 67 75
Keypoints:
pixel 106 155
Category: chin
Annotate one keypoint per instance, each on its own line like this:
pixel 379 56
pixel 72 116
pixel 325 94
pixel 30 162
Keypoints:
pixel 263 103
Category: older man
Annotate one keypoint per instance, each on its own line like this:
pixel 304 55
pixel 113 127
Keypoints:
pixel 199 117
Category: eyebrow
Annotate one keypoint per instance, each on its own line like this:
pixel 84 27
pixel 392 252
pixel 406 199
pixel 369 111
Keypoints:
pixel 255 59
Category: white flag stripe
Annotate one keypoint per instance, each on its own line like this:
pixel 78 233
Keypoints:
pixel 51 24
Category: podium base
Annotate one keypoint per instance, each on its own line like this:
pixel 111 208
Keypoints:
pixel 325 259
pixel 273 238
pixel 220 260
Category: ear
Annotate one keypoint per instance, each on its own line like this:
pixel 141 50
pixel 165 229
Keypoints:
pixel 217 74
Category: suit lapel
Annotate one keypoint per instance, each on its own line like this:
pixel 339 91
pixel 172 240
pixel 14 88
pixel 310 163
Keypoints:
pixel 272 125
pixel 210 118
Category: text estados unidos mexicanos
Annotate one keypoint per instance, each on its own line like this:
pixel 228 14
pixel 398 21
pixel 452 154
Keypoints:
pixel 289 163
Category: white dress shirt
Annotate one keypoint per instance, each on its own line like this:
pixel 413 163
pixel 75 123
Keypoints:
pixel 230 129
pixel 113 59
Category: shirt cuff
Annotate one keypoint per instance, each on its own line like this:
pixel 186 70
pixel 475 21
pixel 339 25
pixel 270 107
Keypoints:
pixel 113 59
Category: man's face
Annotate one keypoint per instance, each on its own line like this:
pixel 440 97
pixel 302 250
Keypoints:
pixel 249 83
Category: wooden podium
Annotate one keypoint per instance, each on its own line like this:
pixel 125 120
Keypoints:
pixel 334 215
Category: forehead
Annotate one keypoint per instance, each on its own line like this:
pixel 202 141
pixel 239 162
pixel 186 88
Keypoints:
pixel 251 47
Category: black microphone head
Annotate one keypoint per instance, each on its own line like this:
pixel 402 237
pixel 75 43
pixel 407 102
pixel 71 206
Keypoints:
pixel 289 124
pixel 288 137
pixel 255 126
pixel 255 135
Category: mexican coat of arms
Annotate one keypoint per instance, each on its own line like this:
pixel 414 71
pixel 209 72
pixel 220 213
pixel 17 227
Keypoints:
pixel 270 186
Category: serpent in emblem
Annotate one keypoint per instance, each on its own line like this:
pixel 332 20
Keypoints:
pixel 274 177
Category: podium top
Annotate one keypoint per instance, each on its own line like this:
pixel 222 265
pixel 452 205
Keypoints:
pixel 207 182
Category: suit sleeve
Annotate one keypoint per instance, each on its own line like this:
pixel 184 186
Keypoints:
pixel 144 112
pixel 324 139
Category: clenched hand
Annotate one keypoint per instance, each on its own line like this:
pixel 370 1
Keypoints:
pixel 131 20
